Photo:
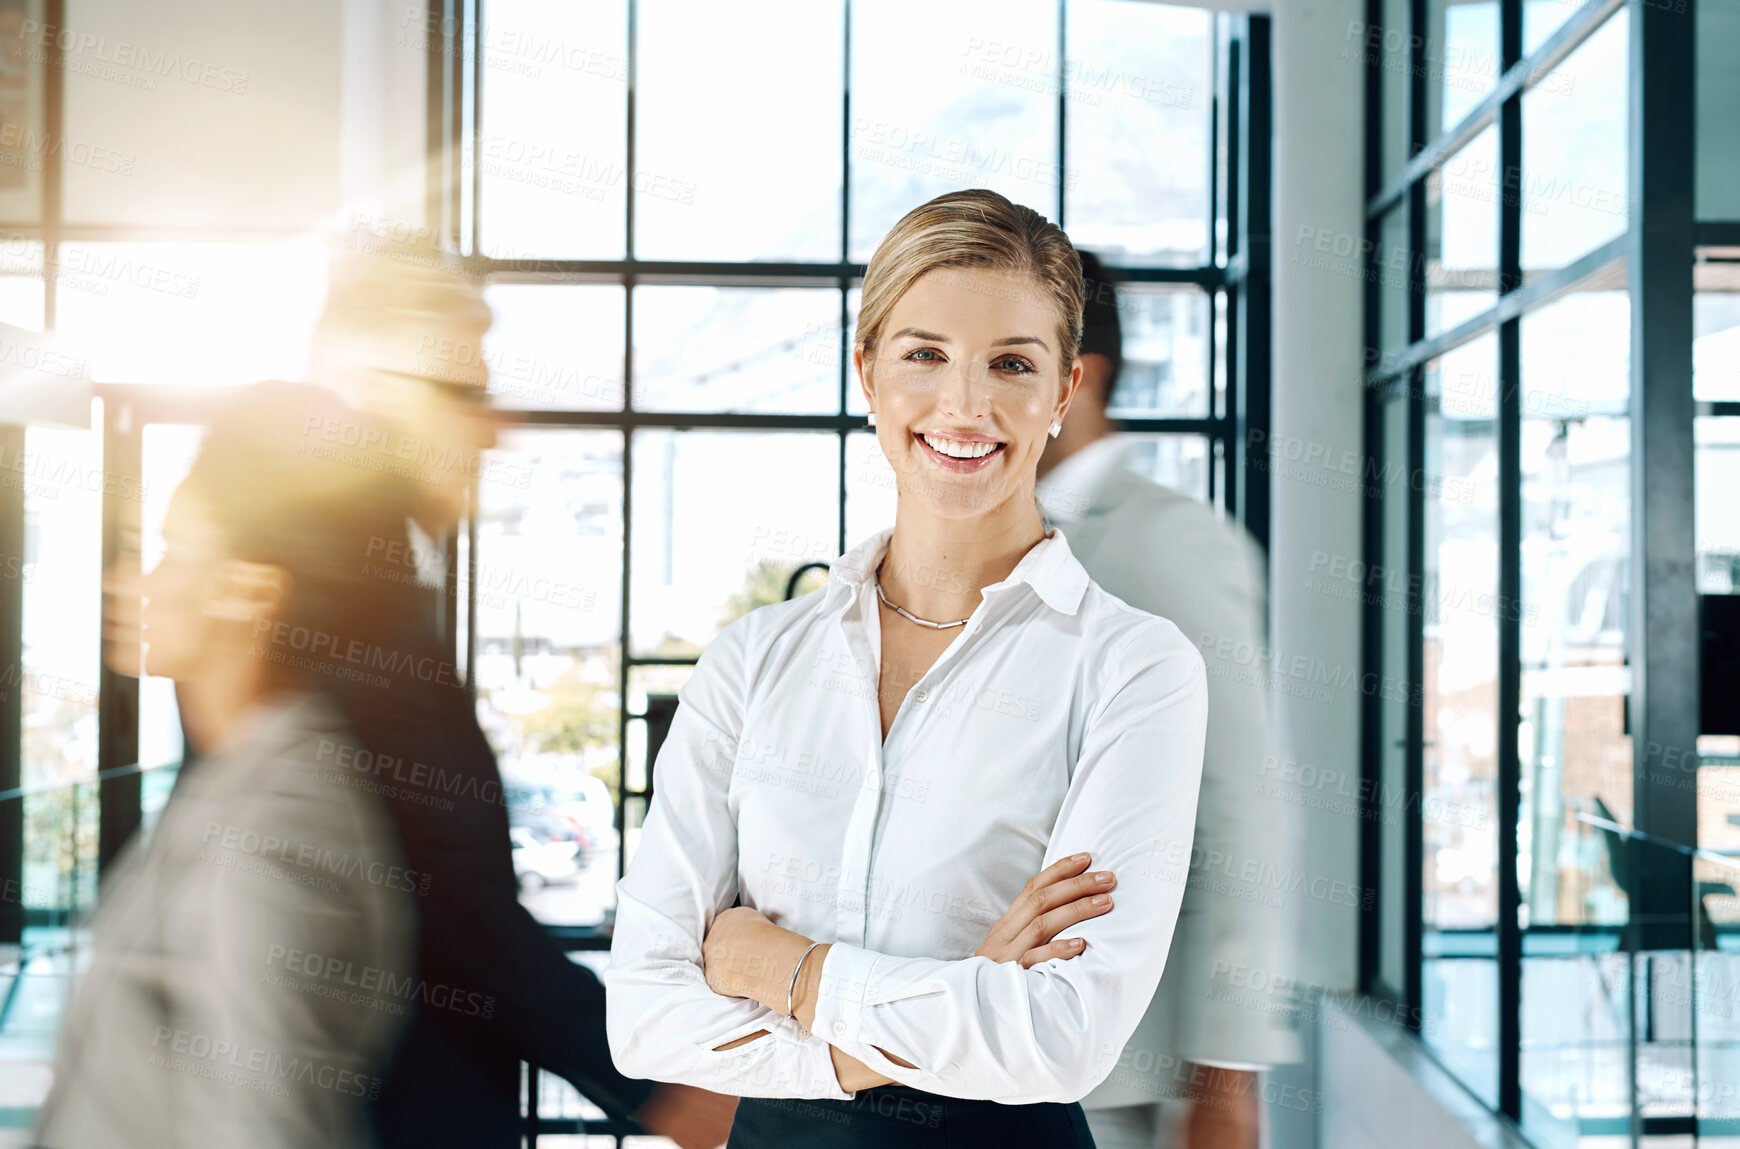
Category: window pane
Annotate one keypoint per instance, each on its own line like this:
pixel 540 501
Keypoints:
pixel 1461 57
pixel 870 491
pixel 21 283
pixel 1716 343
pixel 63 479
pixel 549 571
pixel 552 152
pixel 1716 464
pixel 61 474
pixel 1574 135
pixel 1137 93
pixel 709 511
pixel 737 349
pixel 554 346
pixel 1176 461
pixel 1541 18
pixel 191 313
pixel 1576 757
pixel 703 189
pixel 644 681
pixel 1718 129
pixel 1459 802
pixel 1462 234
pixel 978 114
pixel 1167 352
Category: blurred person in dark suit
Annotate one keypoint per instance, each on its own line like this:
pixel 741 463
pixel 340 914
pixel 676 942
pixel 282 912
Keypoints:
pixel 401 337
pixel 1168 553
pixel 253 957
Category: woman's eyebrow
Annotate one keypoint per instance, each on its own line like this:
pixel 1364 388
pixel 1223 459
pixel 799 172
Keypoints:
pixel 1013 340
pixel 927 336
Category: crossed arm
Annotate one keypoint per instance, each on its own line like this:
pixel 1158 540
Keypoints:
pixel 746 954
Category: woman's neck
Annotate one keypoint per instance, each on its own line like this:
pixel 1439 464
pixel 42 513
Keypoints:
pixel 218 702
pixel 935 565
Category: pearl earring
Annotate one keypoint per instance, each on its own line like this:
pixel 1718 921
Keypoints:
pixel 1056 428
pixel 872 418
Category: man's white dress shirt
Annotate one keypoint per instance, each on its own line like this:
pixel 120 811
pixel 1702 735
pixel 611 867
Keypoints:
pixel 1060 719
pixel 1171 553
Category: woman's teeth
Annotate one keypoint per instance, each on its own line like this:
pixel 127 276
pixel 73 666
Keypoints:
pixel 955 449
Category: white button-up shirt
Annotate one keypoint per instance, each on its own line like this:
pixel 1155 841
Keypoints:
pixel 1060 719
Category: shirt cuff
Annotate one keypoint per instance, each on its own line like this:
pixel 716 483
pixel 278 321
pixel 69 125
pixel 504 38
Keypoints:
pixel 846 974
pixel 787 1062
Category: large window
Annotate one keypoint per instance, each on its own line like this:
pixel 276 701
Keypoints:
pixel 671 204
pixel 1552 332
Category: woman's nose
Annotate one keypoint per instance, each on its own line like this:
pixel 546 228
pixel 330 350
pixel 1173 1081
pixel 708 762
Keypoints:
pixel 964 389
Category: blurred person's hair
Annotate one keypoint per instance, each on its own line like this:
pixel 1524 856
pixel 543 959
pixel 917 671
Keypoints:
pixel 974 229
pixel 280 490
pixel 1102 332
pixel 392 302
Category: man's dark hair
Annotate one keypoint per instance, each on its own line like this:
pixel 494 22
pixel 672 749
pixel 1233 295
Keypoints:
pixel 1101 331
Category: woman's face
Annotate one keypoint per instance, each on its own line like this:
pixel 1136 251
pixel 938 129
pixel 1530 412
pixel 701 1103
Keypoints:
pixel 169 613
pixel 965 385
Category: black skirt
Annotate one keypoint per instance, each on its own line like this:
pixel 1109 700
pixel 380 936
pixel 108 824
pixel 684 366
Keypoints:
pixel 897 1115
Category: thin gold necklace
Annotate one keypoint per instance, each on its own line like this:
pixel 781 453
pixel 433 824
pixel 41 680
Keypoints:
pixel 907 614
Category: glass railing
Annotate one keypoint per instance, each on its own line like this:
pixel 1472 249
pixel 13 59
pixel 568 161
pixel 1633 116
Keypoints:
pixel 1646 1029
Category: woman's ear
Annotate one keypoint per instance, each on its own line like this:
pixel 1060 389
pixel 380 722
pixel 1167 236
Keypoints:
pixel 1070 385
pixel 864 384
pixel 248 591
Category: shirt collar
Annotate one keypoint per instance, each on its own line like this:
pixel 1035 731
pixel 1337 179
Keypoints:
pixel 1049 567
pixel 1068 489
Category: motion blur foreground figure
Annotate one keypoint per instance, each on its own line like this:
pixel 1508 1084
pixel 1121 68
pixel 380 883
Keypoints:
pixel 402 338
pixel 222 1005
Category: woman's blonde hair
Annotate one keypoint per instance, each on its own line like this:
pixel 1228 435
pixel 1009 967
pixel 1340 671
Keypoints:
pixel 976 229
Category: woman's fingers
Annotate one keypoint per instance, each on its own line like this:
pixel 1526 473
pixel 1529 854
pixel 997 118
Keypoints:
pixel 1055 899
pixel 1074 889
pixel 1070 914
pixel 1064 948
pixel 1003 940
pixel 1068 902
pixel 1057 871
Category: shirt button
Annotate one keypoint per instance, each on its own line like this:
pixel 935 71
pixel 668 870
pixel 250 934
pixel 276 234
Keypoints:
pixel 922 695
pixel 839 1027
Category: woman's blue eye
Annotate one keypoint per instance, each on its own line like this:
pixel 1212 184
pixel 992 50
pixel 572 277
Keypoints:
pixel 919 351
pixel 1016 364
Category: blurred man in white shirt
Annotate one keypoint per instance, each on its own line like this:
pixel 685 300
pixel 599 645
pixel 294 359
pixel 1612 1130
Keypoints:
pixel 1189 1077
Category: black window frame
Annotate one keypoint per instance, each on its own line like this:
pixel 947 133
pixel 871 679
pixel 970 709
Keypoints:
pixel 1655 256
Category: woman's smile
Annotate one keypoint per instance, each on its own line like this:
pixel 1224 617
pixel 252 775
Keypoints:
pixel 961 453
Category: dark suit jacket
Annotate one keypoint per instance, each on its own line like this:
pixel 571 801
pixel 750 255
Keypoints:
pixel 498 990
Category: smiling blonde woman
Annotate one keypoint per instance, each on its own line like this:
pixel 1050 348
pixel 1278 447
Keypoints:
pixel 878 804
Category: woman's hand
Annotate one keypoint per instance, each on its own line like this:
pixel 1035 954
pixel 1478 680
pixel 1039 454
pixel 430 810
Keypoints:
pixel 1058 897
pixel 734 964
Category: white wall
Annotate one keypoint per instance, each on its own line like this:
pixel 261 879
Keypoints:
pixel 1319 190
